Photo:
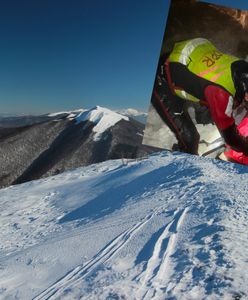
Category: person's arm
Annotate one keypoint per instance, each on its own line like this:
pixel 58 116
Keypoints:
pixel 221 107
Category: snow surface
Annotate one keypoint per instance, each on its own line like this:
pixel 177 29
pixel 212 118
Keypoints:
pixel 171 226
pixel 102 117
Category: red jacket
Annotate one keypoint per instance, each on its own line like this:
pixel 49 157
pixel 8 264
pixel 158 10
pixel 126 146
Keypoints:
pixel 220 103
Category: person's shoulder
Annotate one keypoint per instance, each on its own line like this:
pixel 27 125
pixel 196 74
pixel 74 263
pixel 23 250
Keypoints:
pixel 216 89
pixel 221 106
pixel 215 92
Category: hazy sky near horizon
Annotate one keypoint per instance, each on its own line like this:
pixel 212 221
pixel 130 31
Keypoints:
pixel 60 55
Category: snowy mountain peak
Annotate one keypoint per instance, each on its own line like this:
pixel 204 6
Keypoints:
pixel 102 117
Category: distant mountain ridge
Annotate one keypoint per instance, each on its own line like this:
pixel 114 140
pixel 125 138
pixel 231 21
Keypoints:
pixel 15 120
pixel 135 114
pixel 42 146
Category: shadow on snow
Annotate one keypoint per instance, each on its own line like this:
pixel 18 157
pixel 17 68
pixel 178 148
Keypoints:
pixel 115 197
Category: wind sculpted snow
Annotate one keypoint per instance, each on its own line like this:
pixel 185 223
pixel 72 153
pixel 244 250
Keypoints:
pixel 172 226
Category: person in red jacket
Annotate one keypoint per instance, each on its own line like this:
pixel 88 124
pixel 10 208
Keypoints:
pixel 226 109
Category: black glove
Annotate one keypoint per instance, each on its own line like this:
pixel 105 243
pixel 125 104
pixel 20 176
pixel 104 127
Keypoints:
pixel 236 141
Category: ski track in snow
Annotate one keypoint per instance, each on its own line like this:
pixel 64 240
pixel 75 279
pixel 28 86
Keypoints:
pixel 103 256
pixel 156 275
pixel 79 273
pixel 178 232
pixel 152 280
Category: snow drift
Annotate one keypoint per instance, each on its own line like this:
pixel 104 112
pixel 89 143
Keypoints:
pixel 172 226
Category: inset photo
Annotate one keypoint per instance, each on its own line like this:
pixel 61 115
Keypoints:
pixel 199 100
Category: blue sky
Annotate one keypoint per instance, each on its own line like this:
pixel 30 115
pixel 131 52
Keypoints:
pixel 65 54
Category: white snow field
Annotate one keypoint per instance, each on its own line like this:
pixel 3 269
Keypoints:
pixel 171 226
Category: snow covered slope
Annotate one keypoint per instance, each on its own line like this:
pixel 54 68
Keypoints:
pixel 172 226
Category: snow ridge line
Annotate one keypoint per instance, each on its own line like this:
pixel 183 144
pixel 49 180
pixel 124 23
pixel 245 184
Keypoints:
pixel 156 275
pixel 77 274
